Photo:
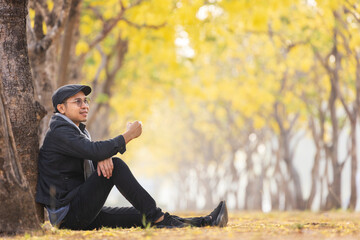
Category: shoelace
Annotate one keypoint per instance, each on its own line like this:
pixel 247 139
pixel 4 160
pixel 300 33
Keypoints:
pixel 206 221
pixel 168 221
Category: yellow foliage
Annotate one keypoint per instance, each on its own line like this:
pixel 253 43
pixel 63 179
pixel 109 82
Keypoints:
pixel 108 14
pixel 32 16
pixel 260 20
pixel 95 3
pixel 50 5
pixel 259 122
pixel 355 40
pixel 334 4
pixel 81 47
pixel 239 58
pixel 44 28
pixel 86 27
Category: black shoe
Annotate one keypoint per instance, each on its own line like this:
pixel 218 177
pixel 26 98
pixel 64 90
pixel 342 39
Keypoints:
pixel 170 222
pixel 219 217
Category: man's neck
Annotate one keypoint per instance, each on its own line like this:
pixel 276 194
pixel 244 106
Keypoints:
pixel 81 126
pixel 67 119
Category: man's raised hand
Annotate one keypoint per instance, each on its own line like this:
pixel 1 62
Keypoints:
pixel 133 130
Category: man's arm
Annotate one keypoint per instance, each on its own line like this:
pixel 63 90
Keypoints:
pixel 105 167
pixel 68 141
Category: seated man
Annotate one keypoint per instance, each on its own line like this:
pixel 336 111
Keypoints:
pixel 74 193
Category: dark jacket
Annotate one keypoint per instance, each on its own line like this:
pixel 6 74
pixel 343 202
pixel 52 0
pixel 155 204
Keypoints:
pixel 61 158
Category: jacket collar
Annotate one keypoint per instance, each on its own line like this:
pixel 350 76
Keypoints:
pixel 81 126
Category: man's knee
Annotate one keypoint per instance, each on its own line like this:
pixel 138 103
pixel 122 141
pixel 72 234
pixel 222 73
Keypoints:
pixel 119 163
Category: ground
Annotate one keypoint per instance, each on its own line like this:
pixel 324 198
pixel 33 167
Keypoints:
pixel 242 225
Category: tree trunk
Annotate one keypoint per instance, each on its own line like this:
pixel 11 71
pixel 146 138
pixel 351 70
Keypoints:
pixel 44 87
pixel 205 188
pixel 254 188
pixel 314 179
pixel 278 181
pixel 19 122
pixel 275 198
pixel 253 195
pixel 287 154
pixel 43 54
pixel 334 197
pixel 69 41
pixel 353 196
pixel 235 179
pixel 333 200
pixel 95 122
pixel 298 196
pixel 317 127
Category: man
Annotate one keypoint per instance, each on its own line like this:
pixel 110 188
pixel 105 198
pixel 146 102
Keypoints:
pixel 74 193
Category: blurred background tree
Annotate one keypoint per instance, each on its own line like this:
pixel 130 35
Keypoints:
pixel 255 102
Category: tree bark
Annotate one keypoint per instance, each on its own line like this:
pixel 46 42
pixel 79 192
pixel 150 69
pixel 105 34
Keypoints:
pixel 318 140
pixel 43 83
pixel 278 180
pixel 69 41
pixel 19 121
pixel 43 51
pixel 353 195
pixel 351 111
pixel 287 153
pixel 254 188
pixel 334 197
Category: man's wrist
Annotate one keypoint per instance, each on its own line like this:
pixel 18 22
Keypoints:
pixel 127 137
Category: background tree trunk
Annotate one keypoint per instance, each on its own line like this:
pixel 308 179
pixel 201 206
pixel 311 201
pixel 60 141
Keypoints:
pixel 353 195
pixel 69 40
pixel 98 122
pixel 19 122
pixel 318 136
pixel 333 199
pixel 43 52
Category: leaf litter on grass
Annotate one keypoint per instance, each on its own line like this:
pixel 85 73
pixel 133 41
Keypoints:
pixel 242 225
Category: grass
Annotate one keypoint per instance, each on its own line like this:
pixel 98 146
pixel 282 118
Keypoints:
pixel 242 225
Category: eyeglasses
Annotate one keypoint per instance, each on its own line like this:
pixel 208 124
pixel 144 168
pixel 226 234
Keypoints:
pixel 79 102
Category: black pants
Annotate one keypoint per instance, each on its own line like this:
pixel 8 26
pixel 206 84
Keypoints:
pixel 87 209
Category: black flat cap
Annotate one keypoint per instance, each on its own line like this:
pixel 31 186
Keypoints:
pixel 67 91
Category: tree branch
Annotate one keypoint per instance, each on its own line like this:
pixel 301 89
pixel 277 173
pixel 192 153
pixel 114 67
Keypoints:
pixel 136 3
pixel 122 5
pixel 104 60
pixel 54 32
pixel 107 27
pixel 30 30
pixel 352 11
pixel 43 9
pixel 139 26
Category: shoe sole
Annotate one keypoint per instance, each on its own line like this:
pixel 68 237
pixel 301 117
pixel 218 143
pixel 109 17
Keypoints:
pixel 222 218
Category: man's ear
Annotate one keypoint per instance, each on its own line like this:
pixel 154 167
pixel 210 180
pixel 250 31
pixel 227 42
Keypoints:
pixel 61 108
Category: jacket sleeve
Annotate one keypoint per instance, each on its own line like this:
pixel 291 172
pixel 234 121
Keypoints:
pixel 70 142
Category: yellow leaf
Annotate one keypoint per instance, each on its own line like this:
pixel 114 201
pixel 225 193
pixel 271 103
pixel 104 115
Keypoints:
pixel 81 47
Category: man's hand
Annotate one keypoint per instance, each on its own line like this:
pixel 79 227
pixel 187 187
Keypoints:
pixel 105 167
pixel 134 130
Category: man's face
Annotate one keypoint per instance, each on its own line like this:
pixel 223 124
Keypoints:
pixel 70 108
